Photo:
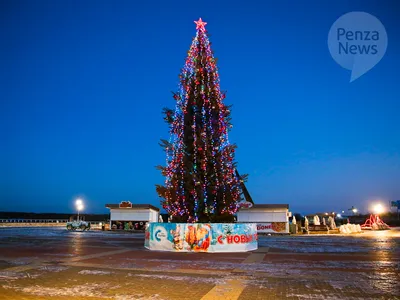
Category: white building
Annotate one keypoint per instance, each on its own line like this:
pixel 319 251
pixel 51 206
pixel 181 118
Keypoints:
pixel 126 215
pixel 270 218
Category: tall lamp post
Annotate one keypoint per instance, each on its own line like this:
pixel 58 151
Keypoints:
pixel 354 210
pixel 79 206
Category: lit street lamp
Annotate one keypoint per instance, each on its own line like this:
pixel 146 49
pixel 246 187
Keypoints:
pixel 354 210
pixel 378 209
pixel 79 206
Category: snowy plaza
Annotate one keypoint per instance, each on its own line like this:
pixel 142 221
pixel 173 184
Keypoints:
pixel 139 164
pixel 43 263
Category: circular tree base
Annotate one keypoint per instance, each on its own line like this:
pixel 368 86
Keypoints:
pixel 201 237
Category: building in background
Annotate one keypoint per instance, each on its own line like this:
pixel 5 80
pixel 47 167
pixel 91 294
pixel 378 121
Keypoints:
pixel 270 218
pixel 128 216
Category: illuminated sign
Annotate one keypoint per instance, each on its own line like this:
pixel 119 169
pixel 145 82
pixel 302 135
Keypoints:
pixel 125 204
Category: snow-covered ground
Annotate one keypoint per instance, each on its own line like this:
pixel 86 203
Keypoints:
pixel 108 264
pixel 43 232
pixel 364 242
pixel 367 241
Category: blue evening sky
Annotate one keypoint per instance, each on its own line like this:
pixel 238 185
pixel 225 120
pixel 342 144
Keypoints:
pixel 83 83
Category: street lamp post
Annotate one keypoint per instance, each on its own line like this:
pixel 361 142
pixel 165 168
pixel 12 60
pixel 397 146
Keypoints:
pixel 79 206
pixel 354 210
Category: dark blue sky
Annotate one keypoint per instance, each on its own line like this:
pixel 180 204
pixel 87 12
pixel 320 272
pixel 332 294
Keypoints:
pixel 83 83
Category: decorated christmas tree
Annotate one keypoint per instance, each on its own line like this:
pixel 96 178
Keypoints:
pixel 201 181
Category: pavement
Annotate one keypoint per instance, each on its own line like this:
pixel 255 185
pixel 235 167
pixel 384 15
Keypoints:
pixel 52 263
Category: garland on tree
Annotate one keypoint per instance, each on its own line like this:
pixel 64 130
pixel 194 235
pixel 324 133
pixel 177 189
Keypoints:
pixel 201 184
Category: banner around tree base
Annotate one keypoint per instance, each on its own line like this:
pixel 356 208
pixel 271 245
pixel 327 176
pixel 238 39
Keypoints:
pixel 201 237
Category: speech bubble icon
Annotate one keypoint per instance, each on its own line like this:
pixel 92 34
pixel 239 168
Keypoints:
pixel 357 41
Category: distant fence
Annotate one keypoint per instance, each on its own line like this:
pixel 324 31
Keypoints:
pixel 34 220
pixel 42 222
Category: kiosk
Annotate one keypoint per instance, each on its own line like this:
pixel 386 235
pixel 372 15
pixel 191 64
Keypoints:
pixel 128 216
pixel 270 218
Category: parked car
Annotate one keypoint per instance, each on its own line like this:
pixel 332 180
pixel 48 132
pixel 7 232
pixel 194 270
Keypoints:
pixel 74 225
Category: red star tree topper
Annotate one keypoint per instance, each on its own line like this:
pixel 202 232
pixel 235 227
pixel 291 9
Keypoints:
pixel 200 25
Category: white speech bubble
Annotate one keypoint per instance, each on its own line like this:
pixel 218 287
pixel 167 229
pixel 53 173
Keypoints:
pixel 357 41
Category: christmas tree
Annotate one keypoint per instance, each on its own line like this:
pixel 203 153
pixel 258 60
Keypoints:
pixel 202 184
